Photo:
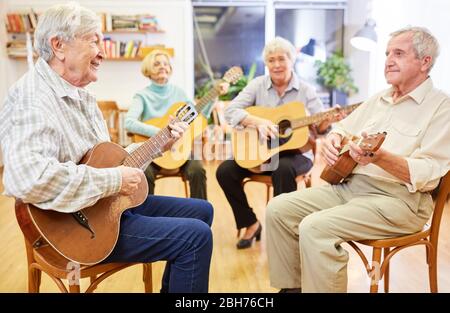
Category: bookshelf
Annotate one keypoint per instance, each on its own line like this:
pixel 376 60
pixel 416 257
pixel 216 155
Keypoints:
pixel 126 37
pixel 132 45
pixel 134 32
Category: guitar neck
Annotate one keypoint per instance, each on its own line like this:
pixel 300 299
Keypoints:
pixel 319 117
pixel 210 96
pixel 149 150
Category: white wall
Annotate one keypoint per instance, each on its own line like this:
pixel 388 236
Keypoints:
pixel 358 60
pixel 120 80
pixel 391 15
pixel 432 14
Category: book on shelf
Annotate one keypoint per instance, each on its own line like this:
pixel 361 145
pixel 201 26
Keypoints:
pixel 26 22
pixel 21 22
pixel 149 23
pixel 139 22
pixel 121 49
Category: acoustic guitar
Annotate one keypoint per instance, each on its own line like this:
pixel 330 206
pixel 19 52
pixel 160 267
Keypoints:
pixel 250 152
pixel 181 150
pixel 345 164
pixel 88 236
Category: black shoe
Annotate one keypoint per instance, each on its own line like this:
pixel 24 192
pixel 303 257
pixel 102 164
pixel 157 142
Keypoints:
pixel 247 243
pixel 290 290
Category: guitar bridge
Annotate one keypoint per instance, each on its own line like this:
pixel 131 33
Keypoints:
pixel 83 221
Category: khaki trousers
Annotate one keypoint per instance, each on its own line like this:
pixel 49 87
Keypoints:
pixel 305 228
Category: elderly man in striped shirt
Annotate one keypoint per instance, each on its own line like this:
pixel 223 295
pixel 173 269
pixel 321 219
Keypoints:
pixel 49 121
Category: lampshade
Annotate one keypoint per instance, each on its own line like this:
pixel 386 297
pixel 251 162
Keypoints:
pixel 366 38
pixel 309 49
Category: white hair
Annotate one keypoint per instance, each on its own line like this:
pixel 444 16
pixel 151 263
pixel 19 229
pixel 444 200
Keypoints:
pixel 64 21
pixel 279 44
pixel 424 43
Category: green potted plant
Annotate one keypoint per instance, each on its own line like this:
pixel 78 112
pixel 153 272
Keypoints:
pixel 334 74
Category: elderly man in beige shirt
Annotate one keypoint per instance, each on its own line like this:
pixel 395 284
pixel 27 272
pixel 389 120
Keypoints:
pixel 387 193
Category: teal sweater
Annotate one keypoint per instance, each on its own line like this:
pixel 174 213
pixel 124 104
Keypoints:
pixel 154 101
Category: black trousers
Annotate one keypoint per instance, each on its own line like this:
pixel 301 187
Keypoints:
pixel 230 176
pixel 192 170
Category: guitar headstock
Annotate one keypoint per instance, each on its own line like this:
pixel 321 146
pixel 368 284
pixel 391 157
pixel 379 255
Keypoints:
pixel 372 142
pixel 233 74
pixel 186 113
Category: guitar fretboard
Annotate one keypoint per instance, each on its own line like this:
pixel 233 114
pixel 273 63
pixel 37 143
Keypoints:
pixel 149 150
pixel 309 120
pixel 210 96
pixel 231 76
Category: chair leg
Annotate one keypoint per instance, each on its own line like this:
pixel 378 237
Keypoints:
pixel 386 272
pixel 147 277
pixel 432 268
pixel 186 189
pixel 92 279
pixel 375 270
pixel 34 274
pixel 34 280
pixel 267 194
pixel 75 288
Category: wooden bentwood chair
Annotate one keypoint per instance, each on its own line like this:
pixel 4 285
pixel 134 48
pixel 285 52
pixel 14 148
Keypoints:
pixel 428 237
pixel 110 111
pixel 43 258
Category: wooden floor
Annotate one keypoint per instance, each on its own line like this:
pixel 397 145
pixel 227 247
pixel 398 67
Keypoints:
pixel 232 270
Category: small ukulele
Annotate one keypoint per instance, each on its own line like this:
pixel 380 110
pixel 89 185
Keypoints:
pixel 345 164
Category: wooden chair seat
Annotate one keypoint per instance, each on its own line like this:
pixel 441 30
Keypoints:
pixel 378 268
pixel 398 241
pixel 41 257
pixel 59 268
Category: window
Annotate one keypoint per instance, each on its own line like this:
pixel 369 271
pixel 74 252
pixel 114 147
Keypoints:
pixel 225 36
pixel 233 32
pixel 316 33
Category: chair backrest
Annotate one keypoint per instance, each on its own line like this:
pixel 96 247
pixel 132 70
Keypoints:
pixel 110 111
pixel 443 191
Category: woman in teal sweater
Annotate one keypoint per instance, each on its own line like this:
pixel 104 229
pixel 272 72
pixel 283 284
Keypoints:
pixel 154 101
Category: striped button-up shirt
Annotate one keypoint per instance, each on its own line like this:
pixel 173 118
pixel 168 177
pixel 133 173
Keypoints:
pixel 47 126
pixel 418 129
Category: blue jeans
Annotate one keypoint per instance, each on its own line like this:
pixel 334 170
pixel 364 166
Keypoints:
pixel 173 229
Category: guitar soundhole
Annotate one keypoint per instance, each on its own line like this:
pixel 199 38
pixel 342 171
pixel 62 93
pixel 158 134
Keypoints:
pixel 284 128
pixel 285 133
